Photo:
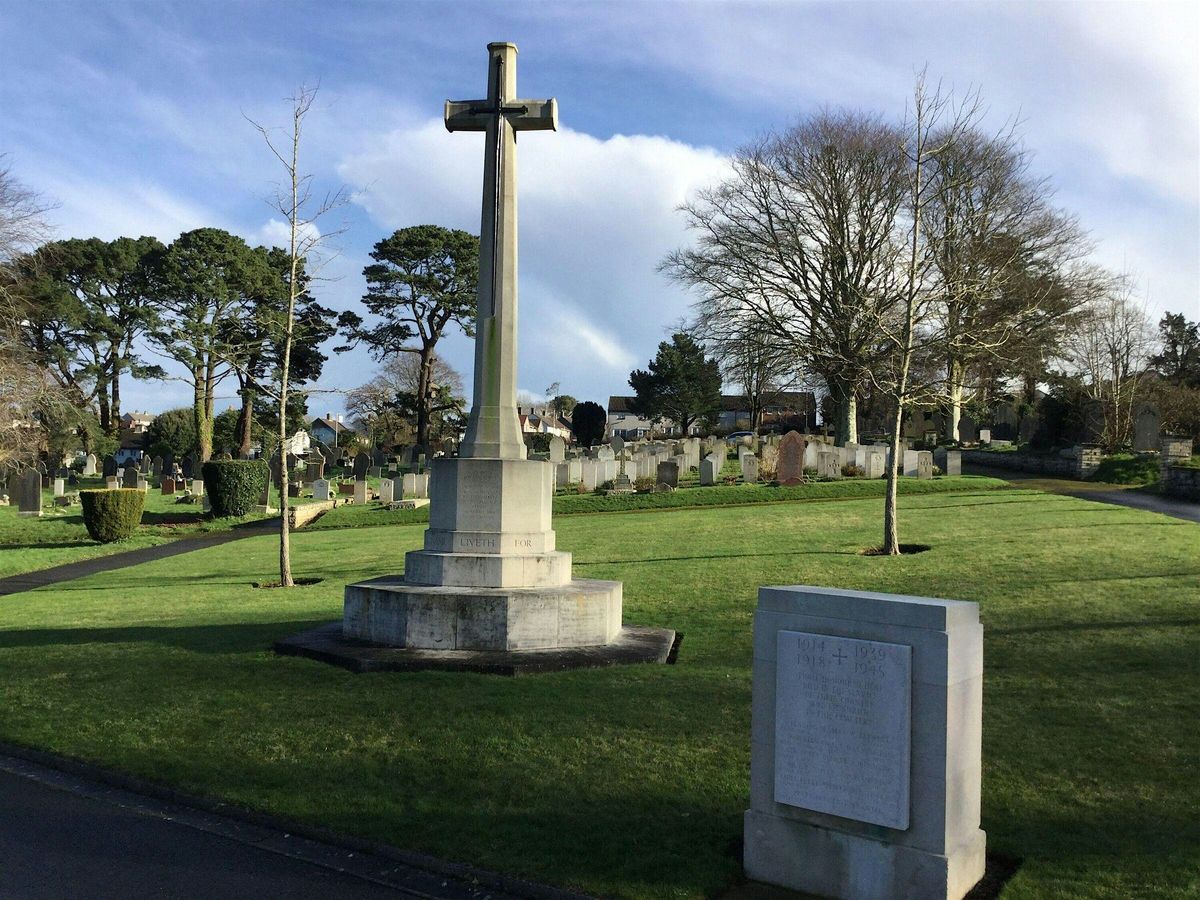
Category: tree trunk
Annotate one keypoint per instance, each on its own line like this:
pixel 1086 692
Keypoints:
pixel 115 385
pixel 891 530
pixel 424 377
pixel 204 434
pixel 198 401
pixel 954 383
pixel 245 422
pixel 105 408
pixel 846 426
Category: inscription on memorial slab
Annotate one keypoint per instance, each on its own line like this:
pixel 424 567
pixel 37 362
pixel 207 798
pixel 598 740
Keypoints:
pixel 842 727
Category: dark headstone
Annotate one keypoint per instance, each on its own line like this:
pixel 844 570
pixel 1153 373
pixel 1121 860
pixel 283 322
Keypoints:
pixel 189 466
pixel 362 462
pixel 168 464
pixel 789 468
pixel 668 473
pixel 130 478
pixel 968 430
pixel 28 492
pixel 156 466
pixel 168 486
pixel 378 458
pixel 145 465
pixel 72 479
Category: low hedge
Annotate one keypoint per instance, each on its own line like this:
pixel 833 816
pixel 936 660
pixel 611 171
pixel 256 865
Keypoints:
pixel 112 515
pixel 234 486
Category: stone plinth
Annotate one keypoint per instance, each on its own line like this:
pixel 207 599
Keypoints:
pixel 395 612
pixel 866 745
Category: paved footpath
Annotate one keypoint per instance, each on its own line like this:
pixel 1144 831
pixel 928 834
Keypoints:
pixel 67 835
pixel 15 584
pixel 1089 490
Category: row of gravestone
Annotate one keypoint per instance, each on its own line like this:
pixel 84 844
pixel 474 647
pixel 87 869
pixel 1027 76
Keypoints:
pixel 412 486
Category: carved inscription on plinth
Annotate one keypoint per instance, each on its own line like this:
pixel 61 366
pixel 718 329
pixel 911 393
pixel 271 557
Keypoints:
pixel 843 727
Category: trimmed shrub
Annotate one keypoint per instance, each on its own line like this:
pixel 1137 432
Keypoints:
pixel 112 515
pixel 233 486
pixel 850 470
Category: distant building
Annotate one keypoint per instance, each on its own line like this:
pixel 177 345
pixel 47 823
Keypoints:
pixel 542 420
pixel 131 435
pixel 330 431
pixel 787 409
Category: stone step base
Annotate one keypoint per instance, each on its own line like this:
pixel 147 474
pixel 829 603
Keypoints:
pixel 487 570
pixel 398 613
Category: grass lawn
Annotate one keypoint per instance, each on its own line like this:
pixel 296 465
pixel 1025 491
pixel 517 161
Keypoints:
pixel 632 781
pixel 59 535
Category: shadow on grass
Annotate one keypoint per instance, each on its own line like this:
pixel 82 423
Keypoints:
pixel 714 556
pixel 1095 626
pixel 51 545
pixel 239 637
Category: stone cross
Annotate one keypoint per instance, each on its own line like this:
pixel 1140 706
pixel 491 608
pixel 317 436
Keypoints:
pixel 493 429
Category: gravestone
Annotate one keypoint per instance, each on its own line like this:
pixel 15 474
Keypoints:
pixel 29 493
pixel 168 466
pixel 197 487
pixel 110 466
pixel 1147 427
pixel 750 470
pixel 924 464
pixel 315 469
pixel 667 473
pixel 985 435
pixel 590 473
pixel 345 488
pixel 909 463
pixel 144 466
pixel 60 487
pixel 168 486
pixel 710 470
pixel 112 483
pixel 321 489
pixel 968 430
pixel 949 461
pixel 387 490
pixel 360 490
pixel 89 464
pixel 156 467
pixel 865 745
pixel 188 467
pixel 874 463
pixel 558 449
pixel 789 468
pixel 130 478
pixel 362 462
pixel 829 464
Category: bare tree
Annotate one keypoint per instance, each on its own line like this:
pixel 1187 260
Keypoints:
pixel 1110 349
pixel 305 241
pixel 1004 259
pixel 801 240
pixel 386 406
pixel 753 358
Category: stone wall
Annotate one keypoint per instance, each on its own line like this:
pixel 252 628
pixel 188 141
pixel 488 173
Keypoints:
pixel 1178 480
pixel 1078 462
pixel 1182 482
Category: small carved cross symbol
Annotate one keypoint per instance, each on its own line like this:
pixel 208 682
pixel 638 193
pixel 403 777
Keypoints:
pixel 839 656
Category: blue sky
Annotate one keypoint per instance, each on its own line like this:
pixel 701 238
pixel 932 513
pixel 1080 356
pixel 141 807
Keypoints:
pixel 130 117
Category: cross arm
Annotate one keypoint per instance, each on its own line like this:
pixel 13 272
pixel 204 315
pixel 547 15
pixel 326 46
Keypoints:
pixel 522 115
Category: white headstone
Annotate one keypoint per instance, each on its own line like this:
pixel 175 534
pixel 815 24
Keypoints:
pixel 867 708
pixel 386 491
pixel 321 489
pixel 558 449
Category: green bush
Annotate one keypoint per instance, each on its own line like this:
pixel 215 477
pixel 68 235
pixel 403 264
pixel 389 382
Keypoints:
pixel 112 515
pixel 233 486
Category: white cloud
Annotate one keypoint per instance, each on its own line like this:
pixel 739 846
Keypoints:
pixel 596 218
pixel 87 208
pixel 277 233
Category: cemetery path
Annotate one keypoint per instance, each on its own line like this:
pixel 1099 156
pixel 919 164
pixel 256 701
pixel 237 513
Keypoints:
pixel 67 835
pixel 1118 495
pixel 28 581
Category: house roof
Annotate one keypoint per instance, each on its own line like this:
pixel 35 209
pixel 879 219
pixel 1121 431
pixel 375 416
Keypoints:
pixel 333 425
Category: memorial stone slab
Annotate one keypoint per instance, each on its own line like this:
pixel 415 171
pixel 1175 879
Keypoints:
pixel 60 487
pixel 710 468
pixel 750 470
pixel 321 490
pixel 985 435
pixel 168 486
pixel 865 745
pixel 829 464
pixel 89 464
pixel 130 478
pixel 789 467
pixel 910 463
pixel 924 464
pixel 386 491
pixel 110 466
pixel 197 487
pixel 362 462
pixel 29 493
pixel 667 473
pixel 558 449
pixel 112 483
pixel 360 491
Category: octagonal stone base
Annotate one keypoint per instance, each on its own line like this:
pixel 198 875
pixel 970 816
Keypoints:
pixel 399 613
